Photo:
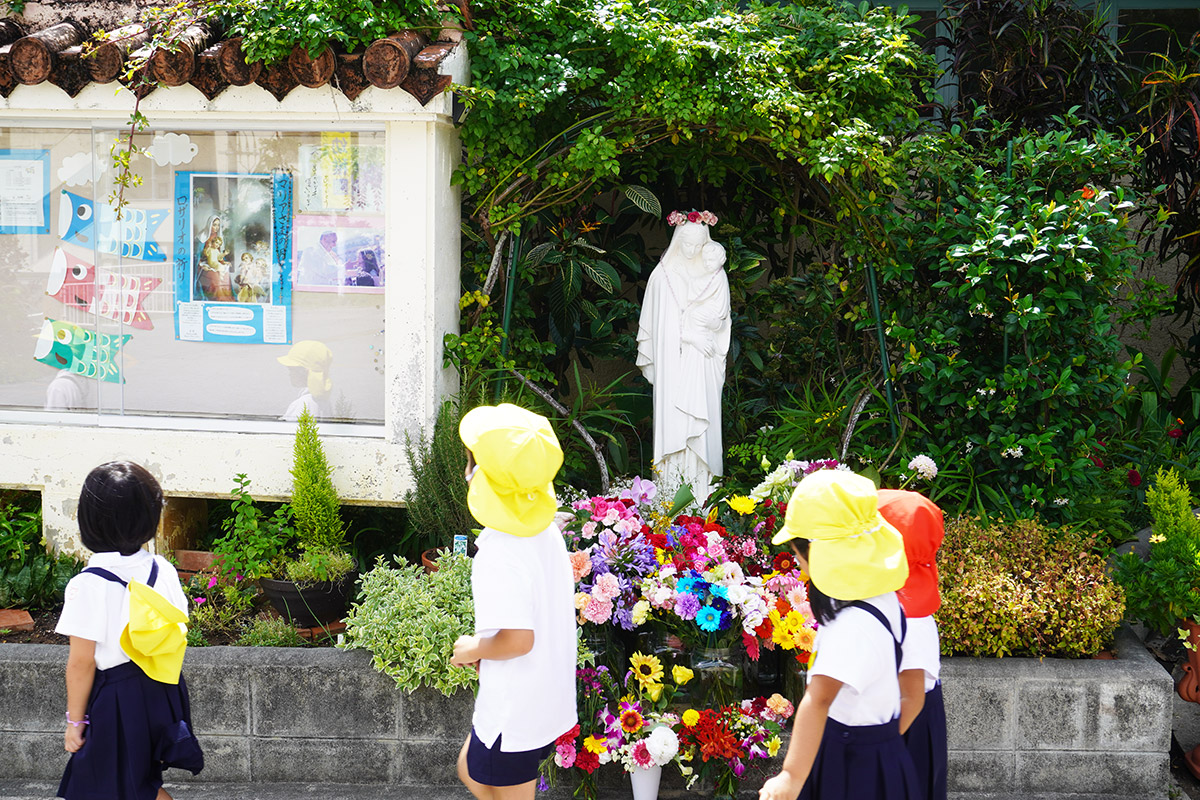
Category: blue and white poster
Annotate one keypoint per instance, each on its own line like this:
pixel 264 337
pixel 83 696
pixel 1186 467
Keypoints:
pixel 233 260
pixel 24 191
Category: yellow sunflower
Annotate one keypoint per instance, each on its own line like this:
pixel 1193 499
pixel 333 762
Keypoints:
pixel 647 669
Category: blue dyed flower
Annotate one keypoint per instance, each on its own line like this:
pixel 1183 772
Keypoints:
pixel 709 619
pixel 719 591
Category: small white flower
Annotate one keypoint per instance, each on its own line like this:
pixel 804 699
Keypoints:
pixel 1061 501
pixel 924 466
pixel 1014 452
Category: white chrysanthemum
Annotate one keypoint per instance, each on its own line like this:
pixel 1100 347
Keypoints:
pixel 779 479
pixel 663 745
pixel 924 466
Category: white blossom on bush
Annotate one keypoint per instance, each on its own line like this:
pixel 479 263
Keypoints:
pixel 924 466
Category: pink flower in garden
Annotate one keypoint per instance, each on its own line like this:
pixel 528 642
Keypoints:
pixel 212 581
pixel 1134 477
pixel 581 564
pixel 597 611
pixel 589 529
pixel 607 587
pixel 200 600
pixel 1175 433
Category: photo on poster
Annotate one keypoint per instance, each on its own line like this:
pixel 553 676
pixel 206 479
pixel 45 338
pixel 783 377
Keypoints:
pixel 24 191
pixel 338 176
pixel 233 257
pixel 339 254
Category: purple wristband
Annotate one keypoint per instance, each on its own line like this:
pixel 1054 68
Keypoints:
pixel 75 724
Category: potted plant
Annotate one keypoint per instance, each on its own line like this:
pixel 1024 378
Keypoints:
pixel 313 587
pixel 437 503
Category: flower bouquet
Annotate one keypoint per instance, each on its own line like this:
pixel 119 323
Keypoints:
pixel 718 745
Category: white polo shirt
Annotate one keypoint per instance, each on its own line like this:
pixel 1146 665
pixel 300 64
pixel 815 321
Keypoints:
pixel 95 608
pixel 922 650
pixel 858 651
pixel 525 583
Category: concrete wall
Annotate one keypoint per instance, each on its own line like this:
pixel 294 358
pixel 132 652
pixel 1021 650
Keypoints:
pixel 52 453
pixel 1019 727
pixel 1023 727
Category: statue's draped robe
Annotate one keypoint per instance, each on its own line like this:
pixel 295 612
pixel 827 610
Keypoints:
pixel 687 383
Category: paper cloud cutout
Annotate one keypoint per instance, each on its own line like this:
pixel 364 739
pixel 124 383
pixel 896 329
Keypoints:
pixel 173 149
pixel 76 170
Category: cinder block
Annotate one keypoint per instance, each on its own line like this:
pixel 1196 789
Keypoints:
pixel 426 714
pixel 33 694
pixel 980 712
pixel 339 699
pixel 220 696
pixel 1105 774
pixel 433 763
pixel 37 756
pixel 323 761
pixel 1055 715
pixel 1135 716
pixel 974 771
pixel 226 760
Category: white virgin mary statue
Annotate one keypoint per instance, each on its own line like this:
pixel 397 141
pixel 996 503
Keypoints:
pixel 683 339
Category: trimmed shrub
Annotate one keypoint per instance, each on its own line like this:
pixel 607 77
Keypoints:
pixel 1024 588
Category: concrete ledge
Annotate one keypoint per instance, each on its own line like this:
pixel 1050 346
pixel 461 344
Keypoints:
pixel 1027 727
pixel 1018 727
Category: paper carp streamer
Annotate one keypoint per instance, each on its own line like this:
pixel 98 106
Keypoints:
pixel 76 283
pixel 132 236
pixel 63 345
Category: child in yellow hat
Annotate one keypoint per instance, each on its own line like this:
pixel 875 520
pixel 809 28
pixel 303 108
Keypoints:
pixel 523 589
pixel 846 741
pixel 125 696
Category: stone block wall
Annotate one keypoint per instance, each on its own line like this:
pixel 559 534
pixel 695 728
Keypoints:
pixel 1089 728
pixel 1018 727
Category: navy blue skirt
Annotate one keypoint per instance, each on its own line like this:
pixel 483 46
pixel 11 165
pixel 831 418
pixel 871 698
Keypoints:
pixel 138 727
pixel 926 741
pixel 862 762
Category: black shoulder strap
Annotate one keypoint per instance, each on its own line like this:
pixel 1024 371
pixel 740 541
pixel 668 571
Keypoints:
pixel 103 573
pixel 100 572
pixel 877 614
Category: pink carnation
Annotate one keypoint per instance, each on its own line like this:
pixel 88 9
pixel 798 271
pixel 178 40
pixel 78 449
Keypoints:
pixel 565 756
pixel 607 587
pixel 780 706
pixel 597 611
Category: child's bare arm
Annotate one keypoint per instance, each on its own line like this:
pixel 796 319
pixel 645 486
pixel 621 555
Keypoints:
pixel 807 731
pixel 912 696
pixel 81 671
pixel 500 646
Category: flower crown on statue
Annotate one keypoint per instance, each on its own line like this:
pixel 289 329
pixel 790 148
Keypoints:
pixel 676 218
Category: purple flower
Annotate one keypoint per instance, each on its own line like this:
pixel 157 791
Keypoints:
pixel 200 600
pixel 543 784
pixel 686 606
pixel 624 617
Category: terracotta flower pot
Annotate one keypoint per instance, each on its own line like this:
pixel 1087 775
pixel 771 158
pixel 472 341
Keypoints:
pixel 429 560
pixel 1189 687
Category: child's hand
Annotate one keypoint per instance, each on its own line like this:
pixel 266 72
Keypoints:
pixel 73 738
pixel 781 787
pixel 466 651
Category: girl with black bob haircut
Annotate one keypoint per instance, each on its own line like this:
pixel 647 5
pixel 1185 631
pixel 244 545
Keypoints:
pixel 128 714
pixel 119 508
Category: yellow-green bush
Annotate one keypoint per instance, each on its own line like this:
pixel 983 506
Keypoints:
pixel 1023 588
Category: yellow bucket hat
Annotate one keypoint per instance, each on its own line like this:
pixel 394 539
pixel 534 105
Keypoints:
pixel 156 637
pixel 518 456
pixel 854 552
pixel 314 357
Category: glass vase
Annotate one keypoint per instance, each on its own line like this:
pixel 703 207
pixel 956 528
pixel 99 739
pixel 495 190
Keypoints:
pixel 718 677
